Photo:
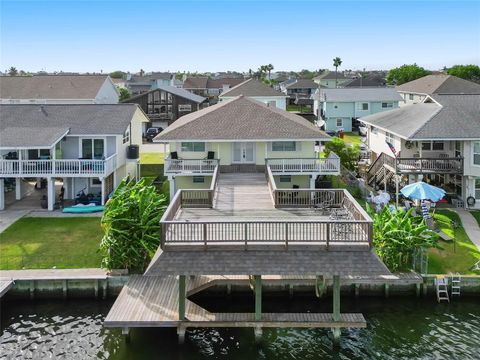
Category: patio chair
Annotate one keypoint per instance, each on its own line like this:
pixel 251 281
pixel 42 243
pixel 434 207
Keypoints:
pixel 174 155
pixel 324 203
pixel 211 155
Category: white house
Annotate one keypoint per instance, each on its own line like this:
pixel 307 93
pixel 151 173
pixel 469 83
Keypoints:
pixel 58 89
pixel 437 141
pixel 332 80
pixel 257 90
pixel 85 146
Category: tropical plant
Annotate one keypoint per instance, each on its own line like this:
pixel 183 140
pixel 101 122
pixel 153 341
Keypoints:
pixel 269 68
pixel 124 93
pixel 406 73
pixel 397 235
pixel 131 225
pixel 336 62
pixel 348 154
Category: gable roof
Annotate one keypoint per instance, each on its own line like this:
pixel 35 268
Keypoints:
pixel 330 75
pixel 450 117
pixel 302 84
pixel 46 122
pixel 241 118
pixel 173 90
pixel 366 82
pixel 218 83
pixel 51 86
pixel 357 94
pixel 252 87
pixel 147 79
pixel 440 84
pixel 199 82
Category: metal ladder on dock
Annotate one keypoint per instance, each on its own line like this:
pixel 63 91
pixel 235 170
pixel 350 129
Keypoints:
pixel 455 284
pixel 442 289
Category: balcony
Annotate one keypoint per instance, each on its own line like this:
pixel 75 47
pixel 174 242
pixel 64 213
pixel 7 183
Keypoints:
pixel 190 166
pixel 450 165
pixel 63 167
pixel 320 166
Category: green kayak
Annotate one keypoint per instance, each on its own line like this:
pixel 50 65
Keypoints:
pixel 83 209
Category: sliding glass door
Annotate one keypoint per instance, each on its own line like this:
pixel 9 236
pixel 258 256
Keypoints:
pixel 93 149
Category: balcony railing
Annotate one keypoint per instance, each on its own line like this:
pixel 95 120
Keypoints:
pixel 190 166
pixel 323 166
pixel 63 167
pixel 430 165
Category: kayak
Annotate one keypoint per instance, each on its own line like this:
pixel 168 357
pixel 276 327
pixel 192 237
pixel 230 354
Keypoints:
pixel 83 209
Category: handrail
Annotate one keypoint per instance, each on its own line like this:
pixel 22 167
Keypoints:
pixel 200 166
pixel 328 165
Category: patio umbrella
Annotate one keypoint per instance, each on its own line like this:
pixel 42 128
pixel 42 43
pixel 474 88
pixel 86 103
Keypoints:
pixel 423 191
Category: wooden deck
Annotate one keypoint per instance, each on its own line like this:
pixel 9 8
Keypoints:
pixel 152 301
pixel 5 285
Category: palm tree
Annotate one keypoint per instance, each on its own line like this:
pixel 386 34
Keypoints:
pixel 12 71
pixel 269 68
pixel 336 62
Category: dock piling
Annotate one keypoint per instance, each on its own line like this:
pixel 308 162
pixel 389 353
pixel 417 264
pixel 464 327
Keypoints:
pixel 126 334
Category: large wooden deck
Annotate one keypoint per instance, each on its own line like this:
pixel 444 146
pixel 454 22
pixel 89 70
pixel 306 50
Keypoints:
pixel 5 285
pixel 153 301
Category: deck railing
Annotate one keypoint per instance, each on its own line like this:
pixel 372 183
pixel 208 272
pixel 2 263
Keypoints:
pixel 429 165
pixel 62 167
pixel 193 166
pixel 329 165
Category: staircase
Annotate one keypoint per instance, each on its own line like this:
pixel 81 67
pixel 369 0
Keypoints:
pixel 455 281
pixel 441 284
pixel 383 166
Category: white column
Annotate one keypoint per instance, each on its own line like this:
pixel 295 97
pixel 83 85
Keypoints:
pixel 172 187
pixel 18 188
pixel 103 190
pixel 312 181
pixel 2 194
pixel 67 185
pixel 51 193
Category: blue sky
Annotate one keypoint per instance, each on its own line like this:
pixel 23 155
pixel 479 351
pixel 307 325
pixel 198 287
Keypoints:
pixel 236 35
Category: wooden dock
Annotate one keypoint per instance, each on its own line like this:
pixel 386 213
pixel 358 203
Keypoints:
pixel 54 274
pixel 153 301
pixel 5 285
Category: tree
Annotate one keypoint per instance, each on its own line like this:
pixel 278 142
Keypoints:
pixel 467 72
pixel 406 73
pixel 269 68
pixel 397 235
pixel 336 62
pixel 12 71
pixel 124 93
pixel 348 154
pixel 117 74
pixel 142 72
pixel 131 225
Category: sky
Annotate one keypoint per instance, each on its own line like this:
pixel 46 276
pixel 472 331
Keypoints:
pixel 94 36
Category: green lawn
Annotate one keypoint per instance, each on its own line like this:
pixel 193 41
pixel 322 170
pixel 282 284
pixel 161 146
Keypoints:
pixel 458 256
pixel 351 138
pixel 476 215
pixel 151 158
pixel 296 108
pixel 40 243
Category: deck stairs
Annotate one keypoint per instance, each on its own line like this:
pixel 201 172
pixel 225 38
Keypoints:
pixel 441 284
pixel 455 284
pixel 382 166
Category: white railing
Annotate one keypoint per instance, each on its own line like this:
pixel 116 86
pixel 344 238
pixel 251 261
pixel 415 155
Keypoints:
pixel 329 165
pixel 63 167
pixel 191 166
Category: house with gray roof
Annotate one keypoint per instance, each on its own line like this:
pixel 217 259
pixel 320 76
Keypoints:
pixel 209 88
pixel 414 92
pixel 139 84
pixel 332 80
pixel 58 89
pixel 166 104
pixel 243 133
pixel 299 89
pixel 257 90
pixel 437 141
pixel 340 108
pixel 89 147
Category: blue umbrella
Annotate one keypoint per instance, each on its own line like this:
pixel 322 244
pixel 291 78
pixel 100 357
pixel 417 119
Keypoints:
pixel 423 191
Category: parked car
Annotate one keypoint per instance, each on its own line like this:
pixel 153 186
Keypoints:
pixel 152 132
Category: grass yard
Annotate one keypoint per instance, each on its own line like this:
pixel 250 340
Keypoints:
pixel 296 108
pixel 40 243
pixel 476 215
pixel 148 158
pixel 458 256
pixel 351 138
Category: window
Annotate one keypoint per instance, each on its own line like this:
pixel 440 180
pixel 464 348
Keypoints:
pixel 387 105
pixel 95 182
pixel 193 146
pixel 184 107
pixel 198 179
pixel 437 145
pixel 374 130
pixel 339 122
pixel 426 146
pixel 476 153
pixel 272 104
pixel 285 179
pixel 284 146
pixel 477 188
pixel 410 96
pixel 389 137
pixel 126 135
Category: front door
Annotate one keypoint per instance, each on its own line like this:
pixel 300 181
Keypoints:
pixel 243 152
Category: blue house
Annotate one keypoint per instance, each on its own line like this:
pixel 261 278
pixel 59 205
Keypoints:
pixel 340 108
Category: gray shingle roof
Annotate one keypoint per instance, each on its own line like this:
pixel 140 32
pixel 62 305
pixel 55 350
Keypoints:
pixel 218 83
pixel 51 86
pixel 440 84
pixel 173 90
pixel 302 84
pixel 358 94
pixel 44 137
pixel 266 262
pixel 195 82
pixel 241 118
pixel 457 117
pixel 331 76
pixel 252 88
pixel 86 119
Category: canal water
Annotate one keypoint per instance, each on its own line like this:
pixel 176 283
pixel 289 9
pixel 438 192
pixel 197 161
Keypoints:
pixel 398 328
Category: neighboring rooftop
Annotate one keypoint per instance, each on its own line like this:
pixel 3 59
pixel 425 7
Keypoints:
pixel 241 118
pixel 207 83
pixel 23 125
pixel 440 84
pixel 330 75
pixel 455 117
pixel 357 94
pixel 147 79
pixel 252 88
pixel 366 82
pixel 51 86
pixel 302 84
pixel 173 90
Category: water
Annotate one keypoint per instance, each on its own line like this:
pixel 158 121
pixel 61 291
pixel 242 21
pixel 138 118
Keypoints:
pixel 402 328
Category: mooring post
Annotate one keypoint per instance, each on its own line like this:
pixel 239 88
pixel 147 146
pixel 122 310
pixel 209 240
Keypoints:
pixel 65 288
pixel 126 334
pixel 258 297
pixel 181 334
pixel 417 290
pixel 387 290
pixel 105 288
pixel 32 289
pixel 95 288
pixel 336 307
pixel 357 290
pixel 181 296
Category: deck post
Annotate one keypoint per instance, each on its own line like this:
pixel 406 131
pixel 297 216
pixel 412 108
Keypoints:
pixel 181 334
pixel 336 307
pixel 181 297
pixel 2 194
pixel 126 333
pixel 258 297
pixel 51 193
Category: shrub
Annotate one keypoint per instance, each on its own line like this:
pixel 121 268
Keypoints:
pixel 348 154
